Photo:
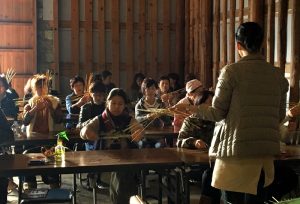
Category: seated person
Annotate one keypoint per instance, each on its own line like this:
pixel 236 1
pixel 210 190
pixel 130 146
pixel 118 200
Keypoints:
pixel 197 134
pixel 93 108
pixel 115 119
pixel 136 93
pixel 106 80
pixel 194 91
pixel 6 102
pixel 6 133
pixel 149 100
pixel 42 114
pixel 165 93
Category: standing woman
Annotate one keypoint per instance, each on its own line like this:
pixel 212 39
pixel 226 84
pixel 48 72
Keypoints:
pixel 116 118
pixel 249 103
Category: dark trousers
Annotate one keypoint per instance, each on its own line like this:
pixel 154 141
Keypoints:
pixel 245 198
pixel 207 189
pixel 3 190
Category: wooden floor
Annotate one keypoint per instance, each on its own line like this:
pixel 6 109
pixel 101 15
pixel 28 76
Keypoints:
pixel 85 197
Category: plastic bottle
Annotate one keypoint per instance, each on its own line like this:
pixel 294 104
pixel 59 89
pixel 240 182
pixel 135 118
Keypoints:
pixel 59 151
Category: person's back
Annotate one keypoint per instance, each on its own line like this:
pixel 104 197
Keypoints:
pixel 253 115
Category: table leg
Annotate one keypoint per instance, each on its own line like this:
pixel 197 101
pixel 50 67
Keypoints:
pixel 74 188
pixel 160 188
pixel 95 195
pixel 142 193
pixel 20 188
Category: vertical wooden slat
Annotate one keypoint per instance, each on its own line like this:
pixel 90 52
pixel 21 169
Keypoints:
pixel 179 37
pixel 153 12
pixel 270 31
pixel 216 41
pixel 241 17
pixel 295 52
pixel 232 31
pixel 129 42
pixel 55 44
pixel 241 11
pixel 191 39
pixel 187 35
pixel 101 32
pixel 88 36
pixel 142 58
pixel 115 41
pixel 256 9
pixel 206 42
pixel 196 37
pixel 34 26
pixel 282 33
pixel 75 36
pixel 224 34
pixel 166 35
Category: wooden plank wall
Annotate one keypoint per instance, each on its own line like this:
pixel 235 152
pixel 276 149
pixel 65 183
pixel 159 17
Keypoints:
pixel 124 37
pixel 18 40
pixel 278 18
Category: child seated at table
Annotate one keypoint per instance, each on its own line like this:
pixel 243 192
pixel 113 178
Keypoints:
pixel 113 122
pixel 42 115
pixel 149 100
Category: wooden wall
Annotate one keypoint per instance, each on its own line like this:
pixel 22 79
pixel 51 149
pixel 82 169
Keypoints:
pixel 209 47
pixel 18 39
pixel 122 36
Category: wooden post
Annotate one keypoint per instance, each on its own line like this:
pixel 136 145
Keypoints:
pixel 56 44
pixel 129 43
pixel 232 31
pixel 101 33
pixel 270 31
pixel 224 34
pixel 142 60
pixel 256 11
pixel 75 36
pixel 216 41
pixel 153 72
pixel 295 60
pixel 196 38
pixel 206 42
pixel 179 60
pixel 282 33
pixel 241 11
pixel 187 36
pixel 115 19
pixel 88 67
pixel 191 39
pixel 166 35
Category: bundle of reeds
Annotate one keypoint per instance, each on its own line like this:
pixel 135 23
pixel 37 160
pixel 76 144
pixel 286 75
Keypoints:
pixel 10 74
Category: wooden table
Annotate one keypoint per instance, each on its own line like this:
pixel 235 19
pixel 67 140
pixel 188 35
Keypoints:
pixel 91 161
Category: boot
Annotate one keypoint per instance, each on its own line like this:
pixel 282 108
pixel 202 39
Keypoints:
pixel 204 199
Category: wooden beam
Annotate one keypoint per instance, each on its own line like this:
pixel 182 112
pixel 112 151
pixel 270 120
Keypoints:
pixel 216 41
pixel 206 42
pixel 241 11
pixel 224 34
pixel 295 52
pixel 142 53
pixel 88 36
pixel 153 72
pixel 129 43
pixel 75 36
pixel 101 33
pixel 282 34
pixel 55 68
pixel 191 39
pixel 196 37
pixel 115 12
pixel 232 31
pixel 187 35
pixel 179 56
pixel 166 35
pixel 270 31
pixel 257 11
pixel 34 26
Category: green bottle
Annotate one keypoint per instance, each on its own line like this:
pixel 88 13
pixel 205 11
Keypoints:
pixel 60 149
